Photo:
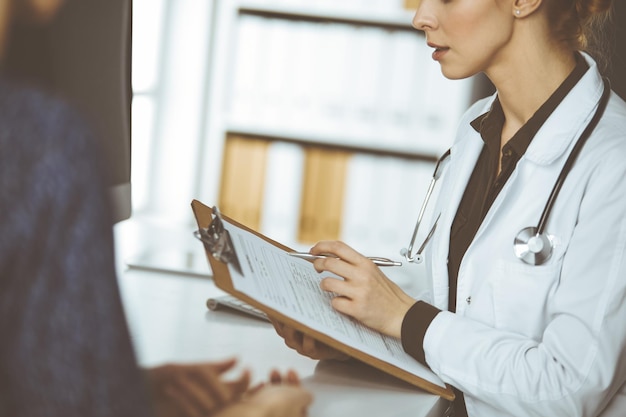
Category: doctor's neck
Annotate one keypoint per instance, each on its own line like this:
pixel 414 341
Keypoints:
pixel 541 52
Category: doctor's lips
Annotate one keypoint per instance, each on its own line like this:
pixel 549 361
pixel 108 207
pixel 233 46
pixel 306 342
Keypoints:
pixel 439 51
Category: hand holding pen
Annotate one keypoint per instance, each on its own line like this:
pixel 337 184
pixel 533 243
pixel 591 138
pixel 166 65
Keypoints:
pixel 377 260
pixel 360 289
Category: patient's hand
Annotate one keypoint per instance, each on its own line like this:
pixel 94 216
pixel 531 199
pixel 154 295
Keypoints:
pixel 194 389
pixel 272 400
pixel 199 390
pixel 282 397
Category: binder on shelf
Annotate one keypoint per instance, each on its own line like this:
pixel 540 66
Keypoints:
pixel 260 272
pixel 322 194
pixel 243 177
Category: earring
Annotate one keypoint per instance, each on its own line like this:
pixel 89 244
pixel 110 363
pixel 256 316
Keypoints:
pixel 518 12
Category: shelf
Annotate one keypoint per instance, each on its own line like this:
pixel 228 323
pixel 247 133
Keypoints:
pixel 373 145
pixel 391 19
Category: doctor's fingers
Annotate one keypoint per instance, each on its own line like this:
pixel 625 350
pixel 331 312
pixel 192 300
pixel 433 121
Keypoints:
pixel 293 338
pixel 278 326
pixel 350 299
pixel 319 350
pixel 377 303
pixel 339 249
pixel 362 269
pixel 307 346
pixel 340 287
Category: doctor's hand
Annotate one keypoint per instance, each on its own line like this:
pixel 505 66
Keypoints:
pixel 365 293
pixel 306 345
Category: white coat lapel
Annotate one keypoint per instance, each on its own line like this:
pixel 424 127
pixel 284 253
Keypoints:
pixel 578 107
pixel 463 156
pixel 556 137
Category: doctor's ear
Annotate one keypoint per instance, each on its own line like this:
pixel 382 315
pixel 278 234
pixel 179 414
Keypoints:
pixel 524 8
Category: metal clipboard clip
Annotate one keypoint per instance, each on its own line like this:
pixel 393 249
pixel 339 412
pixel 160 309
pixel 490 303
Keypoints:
pixel 217 241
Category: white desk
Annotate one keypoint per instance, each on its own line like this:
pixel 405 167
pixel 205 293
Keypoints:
pixel 169 322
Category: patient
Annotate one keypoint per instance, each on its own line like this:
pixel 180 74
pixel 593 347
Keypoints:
pixel 65 348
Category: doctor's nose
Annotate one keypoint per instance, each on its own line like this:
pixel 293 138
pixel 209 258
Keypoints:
pixel 424 18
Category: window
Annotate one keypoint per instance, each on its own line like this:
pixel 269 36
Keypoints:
pixel 170 55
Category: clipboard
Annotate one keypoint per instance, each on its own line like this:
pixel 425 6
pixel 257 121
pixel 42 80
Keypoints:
pixel 220 252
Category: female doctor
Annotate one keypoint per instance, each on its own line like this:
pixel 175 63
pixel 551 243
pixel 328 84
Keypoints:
pixel 516 333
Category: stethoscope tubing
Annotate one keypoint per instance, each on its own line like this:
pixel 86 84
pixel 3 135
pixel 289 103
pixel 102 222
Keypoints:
pixel 573 156
pixel 535 258
pixel 408 253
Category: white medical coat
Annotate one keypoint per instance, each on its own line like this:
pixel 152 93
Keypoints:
pixel 545 340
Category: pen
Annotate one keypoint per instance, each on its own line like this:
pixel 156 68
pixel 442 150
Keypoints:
pixel 378 261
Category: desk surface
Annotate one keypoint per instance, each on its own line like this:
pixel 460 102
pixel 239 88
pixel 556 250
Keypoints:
pixel 169 322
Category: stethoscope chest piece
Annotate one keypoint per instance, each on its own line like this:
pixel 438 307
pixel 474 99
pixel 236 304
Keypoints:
pixel 531 247
pixel 531 244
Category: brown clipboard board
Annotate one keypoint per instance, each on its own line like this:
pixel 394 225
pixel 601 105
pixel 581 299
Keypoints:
pixel 222 279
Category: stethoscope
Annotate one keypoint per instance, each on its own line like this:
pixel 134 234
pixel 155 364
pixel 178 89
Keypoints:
pixel 531 245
